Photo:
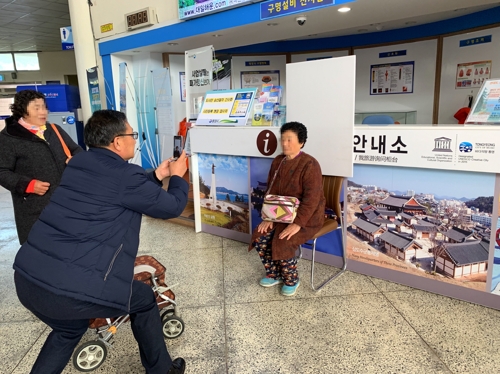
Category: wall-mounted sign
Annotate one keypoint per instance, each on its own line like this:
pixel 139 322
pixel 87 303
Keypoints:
pixel 473 74
pixel 182 85
pixel 106 28
pixel 279 8
pixel 191 8
pixel 2 77
pixel 475 41
pixel 397 78
pixel 226 108
pixel 392 54
pixel 67 38
pixel 434 148
pixel 257 63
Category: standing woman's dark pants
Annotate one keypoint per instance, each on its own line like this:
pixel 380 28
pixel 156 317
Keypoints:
pixel 69 320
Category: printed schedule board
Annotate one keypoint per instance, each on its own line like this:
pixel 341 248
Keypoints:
pixel 223 108
pixel 396 78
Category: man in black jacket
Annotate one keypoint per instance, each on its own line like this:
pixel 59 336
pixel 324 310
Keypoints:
pixel 78 261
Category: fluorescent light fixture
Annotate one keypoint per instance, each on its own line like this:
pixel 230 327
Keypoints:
pixel 344 9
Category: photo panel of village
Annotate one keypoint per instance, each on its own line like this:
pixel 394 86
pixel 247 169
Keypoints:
pixel 495 273
pixel 224 195
pixel 431 223
pixel 259 170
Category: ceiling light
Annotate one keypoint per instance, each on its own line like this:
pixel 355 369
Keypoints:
pixel 410 22
pixel 344 9
pixel 216 35
pixel 172 43
pixel 272 24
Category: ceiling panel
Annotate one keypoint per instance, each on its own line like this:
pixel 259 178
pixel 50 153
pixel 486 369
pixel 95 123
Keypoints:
pixel 21 19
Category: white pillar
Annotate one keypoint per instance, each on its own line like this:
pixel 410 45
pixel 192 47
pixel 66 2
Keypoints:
pixel 85 55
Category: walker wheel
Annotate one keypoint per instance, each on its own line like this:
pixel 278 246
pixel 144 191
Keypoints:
pixel 173 327
pixel 167 312
pixel 90 355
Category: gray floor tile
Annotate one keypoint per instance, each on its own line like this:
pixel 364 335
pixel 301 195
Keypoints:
pixel 355 334
pixel 195 274
pixel 386 286
pixel 243 270
pixel 17 340
pixel 159 235
pixel 465 336
pixel 11 310
pixel 227 243
pixel 202 342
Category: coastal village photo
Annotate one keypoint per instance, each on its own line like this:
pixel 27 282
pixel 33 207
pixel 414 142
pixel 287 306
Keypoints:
pixel 431 223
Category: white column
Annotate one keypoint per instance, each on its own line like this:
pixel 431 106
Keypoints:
pixel 85 55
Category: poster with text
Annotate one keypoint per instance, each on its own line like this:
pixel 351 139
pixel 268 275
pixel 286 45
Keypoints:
pixel 123 87
pixel 255 79
pixel 396 78
pixel 473 74
pixel 431 223
pixel 94 93
pixel 199 67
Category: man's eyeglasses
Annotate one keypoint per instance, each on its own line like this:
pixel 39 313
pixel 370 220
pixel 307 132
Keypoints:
pixel 134 135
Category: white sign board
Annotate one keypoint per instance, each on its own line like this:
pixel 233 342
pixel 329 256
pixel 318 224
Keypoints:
pixel 324 103
pixel 226 107
pixel 198 78
pixel 449 148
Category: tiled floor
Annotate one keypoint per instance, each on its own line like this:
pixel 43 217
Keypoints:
pixel 357 324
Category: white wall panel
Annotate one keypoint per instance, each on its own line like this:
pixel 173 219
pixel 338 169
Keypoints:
pixel 452 99
pixel 422 99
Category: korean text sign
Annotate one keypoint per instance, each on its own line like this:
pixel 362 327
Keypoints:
pixel 226 108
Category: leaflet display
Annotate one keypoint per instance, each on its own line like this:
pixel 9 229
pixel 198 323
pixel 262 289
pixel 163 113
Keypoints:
pixel 227 108
pixel 486 109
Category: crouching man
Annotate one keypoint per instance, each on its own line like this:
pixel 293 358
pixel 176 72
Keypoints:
pixel 78 261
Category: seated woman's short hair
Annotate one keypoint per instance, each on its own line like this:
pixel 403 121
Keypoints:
pixel 298 128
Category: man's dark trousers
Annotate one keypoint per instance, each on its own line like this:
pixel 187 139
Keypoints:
pixel 69 320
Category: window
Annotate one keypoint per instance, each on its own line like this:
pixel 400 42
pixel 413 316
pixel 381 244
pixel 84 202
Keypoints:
pixel 19 61
pixel 26 61
pixel 6 62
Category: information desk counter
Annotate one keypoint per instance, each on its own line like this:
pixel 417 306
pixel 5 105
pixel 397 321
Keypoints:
pixel 421 208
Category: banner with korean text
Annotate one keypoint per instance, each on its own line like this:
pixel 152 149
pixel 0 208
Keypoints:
pixel 422 209
pixel 199 65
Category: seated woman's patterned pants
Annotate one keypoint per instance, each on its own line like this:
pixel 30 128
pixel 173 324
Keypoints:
pixel 279 269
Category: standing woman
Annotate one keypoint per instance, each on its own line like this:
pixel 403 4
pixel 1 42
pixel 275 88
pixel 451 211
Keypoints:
pixel 32 158
pixel 297 174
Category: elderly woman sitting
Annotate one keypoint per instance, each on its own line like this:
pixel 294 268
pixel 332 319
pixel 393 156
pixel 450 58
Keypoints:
pixel 297 174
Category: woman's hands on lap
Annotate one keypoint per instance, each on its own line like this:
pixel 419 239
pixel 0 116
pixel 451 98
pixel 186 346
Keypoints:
pixel 290 231
pixel 265 226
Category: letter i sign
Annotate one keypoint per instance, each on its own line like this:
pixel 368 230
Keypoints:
pixel 267 143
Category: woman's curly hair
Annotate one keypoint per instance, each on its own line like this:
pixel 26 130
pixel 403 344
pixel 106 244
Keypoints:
pixel 21 101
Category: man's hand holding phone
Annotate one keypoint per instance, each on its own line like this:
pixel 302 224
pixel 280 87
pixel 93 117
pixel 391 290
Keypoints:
pixel 178 167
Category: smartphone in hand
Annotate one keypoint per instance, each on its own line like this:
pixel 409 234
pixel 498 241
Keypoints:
pixel 178 146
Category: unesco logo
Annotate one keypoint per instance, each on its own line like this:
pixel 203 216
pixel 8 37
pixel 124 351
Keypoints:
pixel 267 143
pixel 465 147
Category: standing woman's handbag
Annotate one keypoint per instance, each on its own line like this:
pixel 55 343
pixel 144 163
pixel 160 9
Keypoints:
pixel 65 147
pixel 277 208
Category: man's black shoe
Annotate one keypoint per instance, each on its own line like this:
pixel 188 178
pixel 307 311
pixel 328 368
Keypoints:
pixel 178 366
